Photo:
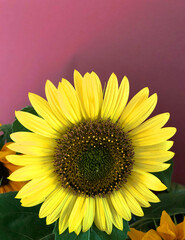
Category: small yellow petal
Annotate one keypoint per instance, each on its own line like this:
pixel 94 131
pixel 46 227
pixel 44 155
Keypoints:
pixel 52 97
pixel 135 234
pixel 65 213
pixel 23 160
pixel 163 146
pixel 136 101
pixel 140 198
pixel 31 150
pixel 77 213
pixel 110 98
pixel 150 167
pixel 160 156
pixel 153 137
pixel 108 216
pixel 78 82
pixel 43 109
pixel 122 99
pixel 165 218
pixel 99 214
pixel 156 122
pixel 139 114
pixel 151 181
pixel 143 190
pixel 36 124
pixel 116 218
pixel 120 205
pixel 89 213
pixel 132 202
pixel 29 172
pixel 52 201
pixel 33 139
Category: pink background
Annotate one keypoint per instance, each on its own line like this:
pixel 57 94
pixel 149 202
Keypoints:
pixel 144 40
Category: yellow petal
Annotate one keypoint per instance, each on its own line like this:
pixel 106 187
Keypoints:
pixel 135 234
pixel 140 198
pixel 94 97
pixel 55 214
pixel 67 105
pixel 99 214
pixel 42 107
pixel 31 150
pixel 140 114
pixel 165 232
pixel 132 202
pixel 33 139
pixel 36 198
pixel 122 99
pixel 36 186
pixel 120 205
pixel 91 95
pixel 108 216
pixel 78 229
pixel 52 202
pixel 23 160
pixel 156 122
pixel 153 137
pixel 136 101
pixel 36 124
pixel 66 88
pixel 65 214
pixel 116 218
pixel 160 156
pixel 110 98
pixel 77 213
pixel 166 219
pixel 150 167
pixel 30 172
pixel 99 91
pixel 78 82
pixel 89 213
pixel 151 181
pixel 52 97
pixel 165 146
pixel 151 235
pixel 143 190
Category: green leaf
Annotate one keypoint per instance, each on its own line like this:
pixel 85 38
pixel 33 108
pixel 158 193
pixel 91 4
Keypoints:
pixel 93 234
pixel 172 202
pixel 17 126
pixel 165 176
pixel 21 223
pixel 7 130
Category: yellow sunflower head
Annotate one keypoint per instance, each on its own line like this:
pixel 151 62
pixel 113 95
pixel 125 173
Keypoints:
pixel 6 168
pixel 90 156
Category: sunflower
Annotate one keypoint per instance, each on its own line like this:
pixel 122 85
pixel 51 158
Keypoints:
pixel 6 168
pixel 166 231
pixel 90 156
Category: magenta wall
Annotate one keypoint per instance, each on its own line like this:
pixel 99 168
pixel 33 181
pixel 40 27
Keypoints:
pixel 144 40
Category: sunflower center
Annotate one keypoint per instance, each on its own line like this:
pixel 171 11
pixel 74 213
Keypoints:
pixel 4 173
pixel 95 164
pixel 94 157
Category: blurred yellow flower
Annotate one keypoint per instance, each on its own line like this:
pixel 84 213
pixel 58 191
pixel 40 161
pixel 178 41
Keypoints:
pixel 166 231
pixel 138 235
pixel 6 168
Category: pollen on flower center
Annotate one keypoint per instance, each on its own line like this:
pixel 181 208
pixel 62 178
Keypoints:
pixel 94 157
